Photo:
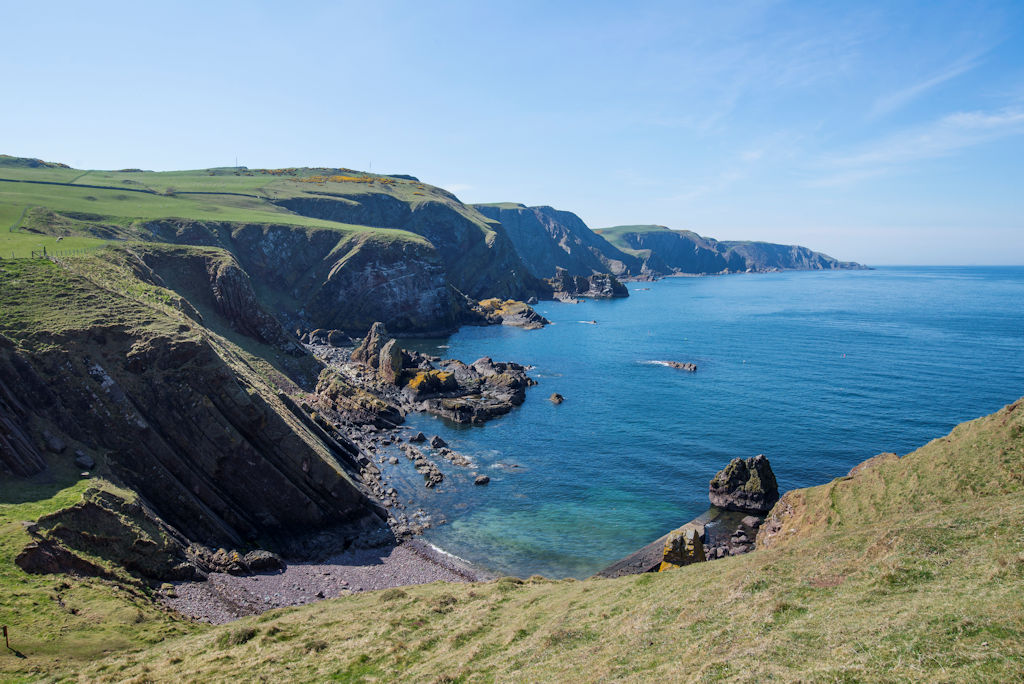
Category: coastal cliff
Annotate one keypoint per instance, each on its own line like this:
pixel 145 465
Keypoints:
pixel 548 239
pixel 118 374
pixel 663 251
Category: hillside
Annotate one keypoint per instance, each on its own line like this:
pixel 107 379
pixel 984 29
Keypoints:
pixel 662 250
pixel 323 242
pixel 909 569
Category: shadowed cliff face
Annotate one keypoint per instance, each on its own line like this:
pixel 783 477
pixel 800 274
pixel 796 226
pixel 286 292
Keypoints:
pixel 337 280
pixel 18 453
pixel 477 255
pixel 547 239
pixel 681 251
pixel 178 416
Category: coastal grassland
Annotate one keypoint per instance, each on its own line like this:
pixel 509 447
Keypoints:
pixel 911 570
pixel 58 622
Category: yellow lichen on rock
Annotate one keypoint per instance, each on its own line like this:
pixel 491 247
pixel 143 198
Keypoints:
pixel 683 547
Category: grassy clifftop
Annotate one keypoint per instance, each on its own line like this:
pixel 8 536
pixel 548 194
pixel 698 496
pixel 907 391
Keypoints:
pixel 314 240
pixel 911 569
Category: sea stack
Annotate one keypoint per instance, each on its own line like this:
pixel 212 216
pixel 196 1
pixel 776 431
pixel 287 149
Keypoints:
pixel 745 485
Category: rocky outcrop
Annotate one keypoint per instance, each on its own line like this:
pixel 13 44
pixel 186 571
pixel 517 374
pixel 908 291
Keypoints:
pixel 547 239
pixel 350 404
pixel 463 393
pixel 597 286
pixel 683 547
pixel 127 535
pixel 368 351
pixel 680 365
pixel 745 485
pixel 510 312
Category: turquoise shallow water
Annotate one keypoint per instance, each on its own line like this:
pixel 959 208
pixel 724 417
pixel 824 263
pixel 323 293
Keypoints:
pixel 818 371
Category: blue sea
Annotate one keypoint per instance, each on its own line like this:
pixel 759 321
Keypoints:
pixel 816 370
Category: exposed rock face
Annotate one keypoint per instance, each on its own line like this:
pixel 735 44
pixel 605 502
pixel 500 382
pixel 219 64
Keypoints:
pixel 598 286
pixel 683 547
pixel 18 454
pixel 339 281
pixel 475 252
pixel 745 485
pixel 368 351
pixel 215 453
pixel 389 367
pixel 547 239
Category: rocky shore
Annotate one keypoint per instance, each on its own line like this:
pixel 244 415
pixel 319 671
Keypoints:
pixel 224 597
pixel 741 495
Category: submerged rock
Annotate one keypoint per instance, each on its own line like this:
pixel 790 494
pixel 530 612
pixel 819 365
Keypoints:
pixel 745 485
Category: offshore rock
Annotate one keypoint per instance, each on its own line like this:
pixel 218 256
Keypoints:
pixel 745 485
pixel 510 312
pixel 556 398
pixel 598 285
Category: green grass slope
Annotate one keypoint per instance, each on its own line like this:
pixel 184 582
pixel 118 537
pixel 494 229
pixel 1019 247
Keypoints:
pixel 910 570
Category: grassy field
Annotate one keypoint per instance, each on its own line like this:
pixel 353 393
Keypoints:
pixel 912 570
pixel 225 195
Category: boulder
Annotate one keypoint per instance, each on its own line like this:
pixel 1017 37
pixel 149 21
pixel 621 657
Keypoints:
pixel 556 398
pixel 84 460
pixel 683 547
pixel 437 443
pixel 54 443
pixel 418 437
pixel 747 485
pixel 263 561
pixel 481 480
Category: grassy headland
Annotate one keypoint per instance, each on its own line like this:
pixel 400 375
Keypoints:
pixel 910 570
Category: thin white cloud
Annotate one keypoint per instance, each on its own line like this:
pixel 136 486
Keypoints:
pixel 940 138
pixel 901 98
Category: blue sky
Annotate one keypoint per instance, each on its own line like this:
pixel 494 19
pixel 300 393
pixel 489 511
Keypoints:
pixel 880 132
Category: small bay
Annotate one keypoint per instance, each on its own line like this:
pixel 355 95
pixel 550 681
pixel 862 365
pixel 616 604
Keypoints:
pixel 817 370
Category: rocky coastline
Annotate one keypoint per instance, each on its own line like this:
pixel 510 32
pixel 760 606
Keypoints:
pixel 741 495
